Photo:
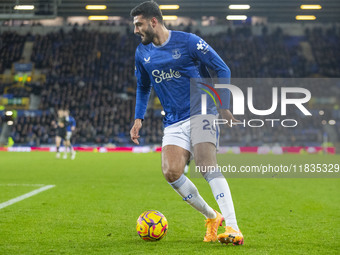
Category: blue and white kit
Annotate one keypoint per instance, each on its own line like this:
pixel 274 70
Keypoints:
pixel 71 122
pixel 168 68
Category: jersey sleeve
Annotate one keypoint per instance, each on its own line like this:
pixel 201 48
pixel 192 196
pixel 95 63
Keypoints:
pixel 143 88
pixel 73 122
pixel 203 52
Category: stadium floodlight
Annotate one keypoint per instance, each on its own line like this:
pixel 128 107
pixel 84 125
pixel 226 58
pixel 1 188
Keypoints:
pixel 310 7
pixel 169 7
pixel 9 113
pixel 236 17
pixel 98 17
pixel 95 7
pixel 170 17
pixel 24 7
pixel 305 17
pixel 239 6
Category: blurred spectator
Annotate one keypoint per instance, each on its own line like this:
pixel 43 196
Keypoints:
pixel 92 74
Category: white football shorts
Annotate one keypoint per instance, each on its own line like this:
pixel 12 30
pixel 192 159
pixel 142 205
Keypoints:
pixel 68 135
pixel 194 130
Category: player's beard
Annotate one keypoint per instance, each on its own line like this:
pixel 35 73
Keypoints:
pixel 148 36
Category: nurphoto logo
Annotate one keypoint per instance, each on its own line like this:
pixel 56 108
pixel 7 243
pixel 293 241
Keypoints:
pixel 239 104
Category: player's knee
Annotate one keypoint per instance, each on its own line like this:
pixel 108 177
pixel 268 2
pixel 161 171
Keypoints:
pixel 171 174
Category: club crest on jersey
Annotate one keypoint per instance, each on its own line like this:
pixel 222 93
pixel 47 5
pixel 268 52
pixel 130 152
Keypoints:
pixel 176 54
pixel 147 60
pixel 202 46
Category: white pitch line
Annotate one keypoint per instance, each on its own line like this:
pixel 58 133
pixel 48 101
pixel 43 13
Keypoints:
pixel 23 184
pixel 27 195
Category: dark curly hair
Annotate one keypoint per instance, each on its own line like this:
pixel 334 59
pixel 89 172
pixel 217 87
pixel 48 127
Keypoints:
pixel 149 10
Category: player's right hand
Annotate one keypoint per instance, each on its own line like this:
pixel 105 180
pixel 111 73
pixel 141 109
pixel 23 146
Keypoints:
pixel 226 114
pixel 134 132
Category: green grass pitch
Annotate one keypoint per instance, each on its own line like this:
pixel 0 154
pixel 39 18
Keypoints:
pixel 98 197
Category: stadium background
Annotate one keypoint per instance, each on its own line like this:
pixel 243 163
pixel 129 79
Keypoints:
pixel 53 56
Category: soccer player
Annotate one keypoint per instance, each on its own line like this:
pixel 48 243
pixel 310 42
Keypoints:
pixel 166 60
pixel 70 127
pixel 60 126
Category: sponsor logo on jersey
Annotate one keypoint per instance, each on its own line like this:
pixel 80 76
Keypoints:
pixel 161 75
pixel 176 54
pixel 202 46
pixel 147 60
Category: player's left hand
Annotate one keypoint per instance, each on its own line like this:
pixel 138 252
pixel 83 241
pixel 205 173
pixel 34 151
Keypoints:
pixel 226 114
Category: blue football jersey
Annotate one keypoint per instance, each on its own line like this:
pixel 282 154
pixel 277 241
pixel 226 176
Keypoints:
pixel 168 69
pixel 71 122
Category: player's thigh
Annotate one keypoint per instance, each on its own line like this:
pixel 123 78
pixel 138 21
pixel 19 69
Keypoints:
pixel 57 140
pixel 205 155
pixel 174 159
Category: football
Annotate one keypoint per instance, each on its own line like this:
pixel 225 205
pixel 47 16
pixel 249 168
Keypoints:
pixel 152 225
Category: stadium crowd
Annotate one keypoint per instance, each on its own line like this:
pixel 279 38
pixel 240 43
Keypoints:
pixel 11 47
pixel 92 74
